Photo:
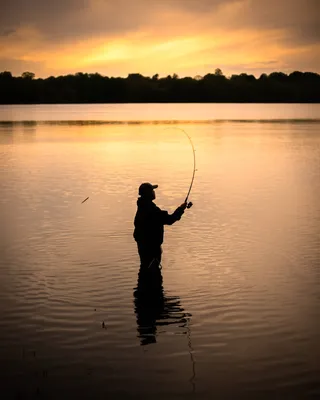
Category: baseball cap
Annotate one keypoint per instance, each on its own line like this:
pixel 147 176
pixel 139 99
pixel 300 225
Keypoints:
pixel 146 187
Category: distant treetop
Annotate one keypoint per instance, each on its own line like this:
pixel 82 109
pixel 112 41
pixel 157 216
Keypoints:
pixel 277 87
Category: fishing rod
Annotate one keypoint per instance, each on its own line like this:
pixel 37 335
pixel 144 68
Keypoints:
pixel 194 163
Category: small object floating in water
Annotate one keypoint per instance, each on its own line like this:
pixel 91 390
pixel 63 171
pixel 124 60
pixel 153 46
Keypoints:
pixel 84 200
pixel 103 325
pixel 95 309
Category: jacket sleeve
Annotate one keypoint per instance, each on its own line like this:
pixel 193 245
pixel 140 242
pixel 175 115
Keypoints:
pixel 169 219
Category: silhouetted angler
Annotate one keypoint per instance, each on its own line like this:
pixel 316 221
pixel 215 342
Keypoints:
pixel 149 226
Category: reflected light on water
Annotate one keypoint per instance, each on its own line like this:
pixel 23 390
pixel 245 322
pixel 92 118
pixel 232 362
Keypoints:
pixel 236 311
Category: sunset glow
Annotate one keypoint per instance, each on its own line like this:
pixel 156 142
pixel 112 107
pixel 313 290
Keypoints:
pixel 188 38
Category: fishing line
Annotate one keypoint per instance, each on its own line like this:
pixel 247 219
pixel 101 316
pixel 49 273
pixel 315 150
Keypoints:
pixel 192 380
pixel 194 165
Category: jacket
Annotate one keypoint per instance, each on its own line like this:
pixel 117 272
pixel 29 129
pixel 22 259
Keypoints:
pixel 150 220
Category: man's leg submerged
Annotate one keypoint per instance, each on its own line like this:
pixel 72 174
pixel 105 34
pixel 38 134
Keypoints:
pixel 156 257
pixel 149 256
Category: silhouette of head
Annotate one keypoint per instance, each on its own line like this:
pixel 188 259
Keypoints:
pixel 146 190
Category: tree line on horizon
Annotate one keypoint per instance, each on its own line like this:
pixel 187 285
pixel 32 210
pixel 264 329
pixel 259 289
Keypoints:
pixel 277 87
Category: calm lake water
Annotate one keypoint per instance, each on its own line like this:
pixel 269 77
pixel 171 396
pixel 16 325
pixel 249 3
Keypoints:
pixel 240 308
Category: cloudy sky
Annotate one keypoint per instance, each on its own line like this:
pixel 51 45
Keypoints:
pixel 187 37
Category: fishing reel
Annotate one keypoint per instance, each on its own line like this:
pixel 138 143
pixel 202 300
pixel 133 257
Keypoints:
pixel 190 204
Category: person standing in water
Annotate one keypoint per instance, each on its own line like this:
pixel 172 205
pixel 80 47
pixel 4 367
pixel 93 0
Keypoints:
pixel 149 224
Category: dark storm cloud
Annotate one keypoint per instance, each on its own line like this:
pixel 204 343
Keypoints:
pixel 299 18
pixel 47 17
pixel 66 19
pixel 17 12
pixel 306 33
pixel 7 32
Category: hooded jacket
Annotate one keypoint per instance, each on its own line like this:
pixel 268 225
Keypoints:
pixel 149 222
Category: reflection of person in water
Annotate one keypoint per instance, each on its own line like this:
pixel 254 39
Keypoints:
pixel 153 308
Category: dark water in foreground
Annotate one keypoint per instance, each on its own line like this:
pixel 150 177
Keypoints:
pixel 237 313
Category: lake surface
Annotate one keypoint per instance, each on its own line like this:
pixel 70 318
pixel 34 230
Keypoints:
pixel 239 312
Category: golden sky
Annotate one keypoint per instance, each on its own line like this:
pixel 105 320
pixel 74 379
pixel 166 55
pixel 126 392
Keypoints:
pixel 187 37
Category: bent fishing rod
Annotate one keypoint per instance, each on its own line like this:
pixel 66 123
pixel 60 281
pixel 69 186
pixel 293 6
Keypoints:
pixel 194 166
pixel 194 163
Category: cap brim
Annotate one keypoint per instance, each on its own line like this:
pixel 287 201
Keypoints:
pixel 154 186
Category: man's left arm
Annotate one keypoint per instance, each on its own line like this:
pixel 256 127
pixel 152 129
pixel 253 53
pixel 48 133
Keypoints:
pixel 169 219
